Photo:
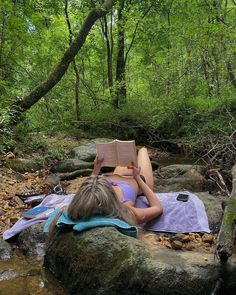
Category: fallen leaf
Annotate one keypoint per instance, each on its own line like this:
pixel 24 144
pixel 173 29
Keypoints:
pixel 11 182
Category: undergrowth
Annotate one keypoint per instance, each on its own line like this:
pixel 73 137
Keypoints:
pixel 190 121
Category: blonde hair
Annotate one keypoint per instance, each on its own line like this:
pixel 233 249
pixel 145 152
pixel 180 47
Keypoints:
pixel 97 197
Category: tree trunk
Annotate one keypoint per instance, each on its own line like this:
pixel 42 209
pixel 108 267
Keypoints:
pixel 109 54
pixel 216 72
pixel 120 96
pixel 226 237
pixel 206 70
pixel 38 92
pixel 77 78
pixel 231 73
pixel 77 82
pixel 2 37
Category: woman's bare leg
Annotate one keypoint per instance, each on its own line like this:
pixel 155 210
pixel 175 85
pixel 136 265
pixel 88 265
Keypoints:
pixel 146 167
pixel 144 163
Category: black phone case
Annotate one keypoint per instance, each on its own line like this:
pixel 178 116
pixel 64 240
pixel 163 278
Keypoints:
pixel 182 197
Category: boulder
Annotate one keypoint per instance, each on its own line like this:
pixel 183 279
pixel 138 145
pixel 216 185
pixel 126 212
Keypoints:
pixel 176 170
pixel 5 250
pixel 193 184
pixel 31 241
pixel 52 180
pixel 88 151
pixel 213 209
pixel 104 261
pixel 71 165
pixel 85 153
pixel 24 165
pixel 179 177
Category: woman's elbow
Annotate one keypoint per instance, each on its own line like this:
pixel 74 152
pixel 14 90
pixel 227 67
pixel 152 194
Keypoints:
pixel 160 209
pixel 157 212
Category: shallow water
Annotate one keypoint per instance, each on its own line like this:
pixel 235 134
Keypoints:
pixel 19 276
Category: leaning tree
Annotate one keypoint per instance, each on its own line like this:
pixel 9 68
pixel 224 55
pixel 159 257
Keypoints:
pixel 24 103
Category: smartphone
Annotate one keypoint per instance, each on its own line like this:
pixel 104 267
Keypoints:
pixel 182 197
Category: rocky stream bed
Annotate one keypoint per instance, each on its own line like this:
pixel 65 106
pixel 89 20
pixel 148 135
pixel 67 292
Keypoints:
pixel 103 261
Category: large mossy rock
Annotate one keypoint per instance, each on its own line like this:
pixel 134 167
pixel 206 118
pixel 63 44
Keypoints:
pixel 70 165
pixel 104 261
pixel 84 152
pixel 87 152
pixel 24 165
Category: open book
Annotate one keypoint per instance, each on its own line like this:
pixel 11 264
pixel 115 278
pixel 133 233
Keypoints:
pixel 117 153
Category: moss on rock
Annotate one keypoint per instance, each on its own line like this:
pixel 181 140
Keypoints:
pixel 24 165
pixel 104 261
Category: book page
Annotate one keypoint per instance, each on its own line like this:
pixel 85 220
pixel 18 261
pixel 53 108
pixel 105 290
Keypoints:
pixel 117 153
pixel 126 152
pixel 107 151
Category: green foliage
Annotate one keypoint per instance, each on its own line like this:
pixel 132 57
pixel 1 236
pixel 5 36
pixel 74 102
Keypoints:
pixel 177 75
pixel 55 152
pixel 36 143
pixel 7 142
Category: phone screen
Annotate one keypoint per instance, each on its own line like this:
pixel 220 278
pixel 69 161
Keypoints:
pixel 182 197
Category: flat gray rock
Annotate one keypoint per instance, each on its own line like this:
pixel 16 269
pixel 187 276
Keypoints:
pixel 71 165
pixel 24 165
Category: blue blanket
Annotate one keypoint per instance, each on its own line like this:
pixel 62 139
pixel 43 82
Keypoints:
pixel 96 221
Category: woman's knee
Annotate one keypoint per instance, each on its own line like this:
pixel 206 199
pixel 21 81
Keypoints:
pixel 143 150
pixel 143 155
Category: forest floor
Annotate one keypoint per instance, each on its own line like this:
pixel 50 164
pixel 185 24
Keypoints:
pixel 14 184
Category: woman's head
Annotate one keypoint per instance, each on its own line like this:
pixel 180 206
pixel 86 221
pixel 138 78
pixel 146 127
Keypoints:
pixel 97 197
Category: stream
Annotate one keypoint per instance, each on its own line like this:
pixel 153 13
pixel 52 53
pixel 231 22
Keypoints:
pixel 21 276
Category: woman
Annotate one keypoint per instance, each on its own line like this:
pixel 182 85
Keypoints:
pixel 115 195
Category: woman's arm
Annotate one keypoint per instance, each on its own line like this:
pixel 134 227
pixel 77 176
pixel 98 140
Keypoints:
pixel 97 166
pixel 146 214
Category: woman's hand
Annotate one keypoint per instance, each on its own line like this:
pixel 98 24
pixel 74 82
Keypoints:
pixel 136 170
pixel 97 165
